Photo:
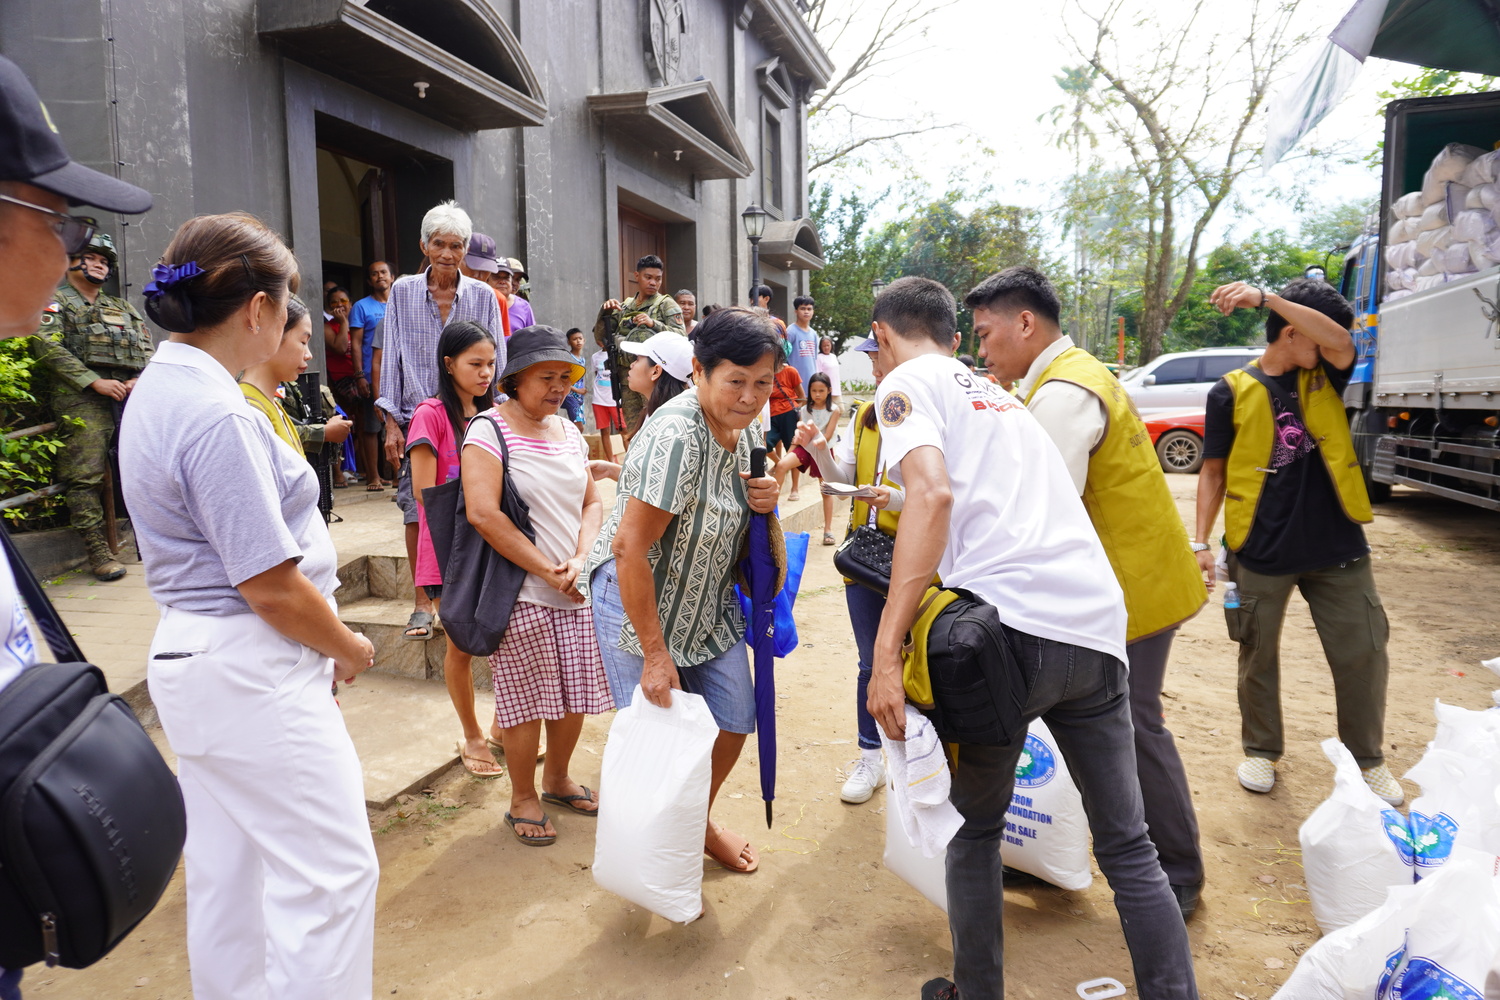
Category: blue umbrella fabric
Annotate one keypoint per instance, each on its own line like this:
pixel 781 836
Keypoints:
pixel 761 584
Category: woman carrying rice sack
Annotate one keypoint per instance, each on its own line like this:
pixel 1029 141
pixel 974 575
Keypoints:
pixel 662 573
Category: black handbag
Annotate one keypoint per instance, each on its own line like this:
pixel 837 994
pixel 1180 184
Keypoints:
pixel 865 555
pixel 91 818
pixel 480 586
pixel 979 689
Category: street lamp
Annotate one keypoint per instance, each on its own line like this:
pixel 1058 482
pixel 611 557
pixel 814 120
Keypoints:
pixel 754 218
pixel 876 286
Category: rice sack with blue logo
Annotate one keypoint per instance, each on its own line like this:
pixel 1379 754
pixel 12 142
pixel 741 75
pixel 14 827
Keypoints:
pixel 1046 831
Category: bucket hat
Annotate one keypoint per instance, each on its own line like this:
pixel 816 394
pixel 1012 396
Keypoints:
pixel 536 345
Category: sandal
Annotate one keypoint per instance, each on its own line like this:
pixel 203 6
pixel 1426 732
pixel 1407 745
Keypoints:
pixel 478 763
pixel 727 849
pixel 498 749
pixel 794 495
pixel 374 489
pixel 543 841
pixel 566 801
pixel 828 538
pixel 419 620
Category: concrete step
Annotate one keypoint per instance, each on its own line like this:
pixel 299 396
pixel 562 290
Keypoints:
pixel 383 620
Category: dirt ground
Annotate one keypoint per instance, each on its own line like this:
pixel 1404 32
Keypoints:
pixel 467 911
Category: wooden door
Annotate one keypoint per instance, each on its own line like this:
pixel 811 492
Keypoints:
pixel 639 235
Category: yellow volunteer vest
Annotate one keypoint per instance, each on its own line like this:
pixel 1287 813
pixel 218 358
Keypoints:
pixel 1254 435
pixel 280 422
pixel 866 457
pixel 1132 509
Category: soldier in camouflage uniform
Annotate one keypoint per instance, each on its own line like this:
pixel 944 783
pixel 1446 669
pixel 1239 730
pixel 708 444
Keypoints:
pixel 648 313
pixel 93 346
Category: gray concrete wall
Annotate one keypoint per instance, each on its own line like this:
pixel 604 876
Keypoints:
pixel 185 99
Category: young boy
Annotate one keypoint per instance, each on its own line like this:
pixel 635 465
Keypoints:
pixel 785 398
pixel 606 411
pixel 574 403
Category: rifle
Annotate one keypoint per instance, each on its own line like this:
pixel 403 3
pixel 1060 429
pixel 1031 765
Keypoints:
pixel 612 355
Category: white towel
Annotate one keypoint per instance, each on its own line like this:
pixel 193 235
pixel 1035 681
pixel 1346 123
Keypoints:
pixel 919 783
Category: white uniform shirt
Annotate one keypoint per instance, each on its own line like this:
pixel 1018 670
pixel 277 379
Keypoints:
pixel 604 386
pixel 1019 536
pixel 1073 416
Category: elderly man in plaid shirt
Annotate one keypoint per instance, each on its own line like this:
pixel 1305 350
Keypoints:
pixel 420 306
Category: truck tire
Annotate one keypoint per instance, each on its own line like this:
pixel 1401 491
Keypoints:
pixel 1180 451
pixel 1366 426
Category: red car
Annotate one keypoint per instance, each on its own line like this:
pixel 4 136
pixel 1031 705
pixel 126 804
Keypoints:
pixel 1178 437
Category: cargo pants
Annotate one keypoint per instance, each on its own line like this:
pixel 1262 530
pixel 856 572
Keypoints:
pixel 84 458
pixel 1352 627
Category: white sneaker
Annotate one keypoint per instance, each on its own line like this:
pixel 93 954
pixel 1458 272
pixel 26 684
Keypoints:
pixel 865 776
pixel 1383 784
pixel 1256 774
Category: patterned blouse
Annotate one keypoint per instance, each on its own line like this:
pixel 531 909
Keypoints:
pixel 676 465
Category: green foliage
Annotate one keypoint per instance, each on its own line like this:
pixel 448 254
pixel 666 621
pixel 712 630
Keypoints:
pixel 26 463
pixel 1335 226
pixel 1428 83
pixel 854 257
pixel 1267 260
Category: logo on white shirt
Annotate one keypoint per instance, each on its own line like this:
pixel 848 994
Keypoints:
pixel 895 408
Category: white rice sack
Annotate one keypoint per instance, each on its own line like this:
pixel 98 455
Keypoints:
pixel 1473 734
pixel 1405 278
pixel 1455 260
pixel 1476 197
pixel 1480 255
pixel 1433 240
pixel 1430 267
pixel 1481 171
pixel 1449 165
pixel 1489 196
pixel 1435 216
pixel 1457 807
pixel 1406 230
pixel 1402 255
pixel 926 875
pixel 1354 847
pixel 1408 205
pixel 1455 197
pixel 648 847
pixel 1046 829
pixel 1398 295
pixel 1472 224
pixel 1426 281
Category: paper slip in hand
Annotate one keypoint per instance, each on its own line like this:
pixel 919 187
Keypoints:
pixel 854 492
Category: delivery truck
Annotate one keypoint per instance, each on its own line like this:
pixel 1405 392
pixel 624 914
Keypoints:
pixel 1424 399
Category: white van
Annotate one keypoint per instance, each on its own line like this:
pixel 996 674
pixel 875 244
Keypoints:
pixel 1182 381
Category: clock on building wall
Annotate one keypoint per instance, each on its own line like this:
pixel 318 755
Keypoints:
pixel 666 23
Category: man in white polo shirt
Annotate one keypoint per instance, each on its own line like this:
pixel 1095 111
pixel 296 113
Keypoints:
pixel 997 515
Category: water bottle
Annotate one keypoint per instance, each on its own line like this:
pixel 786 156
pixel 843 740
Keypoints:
pixel 1231 596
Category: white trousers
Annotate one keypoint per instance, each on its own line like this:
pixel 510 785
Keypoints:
pixel 281 868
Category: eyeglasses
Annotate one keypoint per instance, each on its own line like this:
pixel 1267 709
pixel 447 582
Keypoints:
pixel 75 231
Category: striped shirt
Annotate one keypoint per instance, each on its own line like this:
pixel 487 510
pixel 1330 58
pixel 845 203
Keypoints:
pixel 412 325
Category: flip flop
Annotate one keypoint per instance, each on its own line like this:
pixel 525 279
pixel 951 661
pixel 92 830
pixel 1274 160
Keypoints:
pixel 828 538
pixel 730 847
pixel 566 801
pixel 421 620
pixel 511 821
pixel 374 489
pixel 479 762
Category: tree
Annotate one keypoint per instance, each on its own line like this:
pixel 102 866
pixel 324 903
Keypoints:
pixel 1182 114
pixel 854 257
pixel 1337 225
pixel 1427 83
pixel 864 38
pixel 1266 260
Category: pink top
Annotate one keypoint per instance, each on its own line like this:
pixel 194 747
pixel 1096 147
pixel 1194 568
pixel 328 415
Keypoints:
pixel 430 426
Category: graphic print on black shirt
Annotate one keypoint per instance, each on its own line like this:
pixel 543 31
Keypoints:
pixel 1299 523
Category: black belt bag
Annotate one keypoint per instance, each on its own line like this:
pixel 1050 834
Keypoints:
pixel 979 690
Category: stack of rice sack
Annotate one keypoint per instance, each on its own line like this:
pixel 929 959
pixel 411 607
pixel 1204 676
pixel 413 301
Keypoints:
pixel 1451 227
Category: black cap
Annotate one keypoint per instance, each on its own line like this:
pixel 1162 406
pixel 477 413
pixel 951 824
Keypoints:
pixel 31 151
pixel 535 345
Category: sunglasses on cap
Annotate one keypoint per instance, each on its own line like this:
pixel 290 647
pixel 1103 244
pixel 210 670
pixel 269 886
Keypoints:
pixel 75 231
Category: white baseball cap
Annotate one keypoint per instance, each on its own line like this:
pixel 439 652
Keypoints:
pixel 672 351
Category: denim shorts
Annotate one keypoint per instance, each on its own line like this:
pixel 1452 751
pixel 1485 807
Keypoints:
pixel 724 681
pixel 573 406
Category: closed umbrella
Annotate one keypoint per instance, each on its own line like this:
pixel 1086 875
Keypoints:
pixel 762 580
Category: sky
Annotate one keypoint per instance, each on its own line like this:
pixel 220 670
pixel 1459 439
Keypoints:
pixel 990 66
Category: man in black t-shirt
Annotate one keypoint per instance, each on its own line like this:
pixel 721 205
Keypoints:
pixel 1277 448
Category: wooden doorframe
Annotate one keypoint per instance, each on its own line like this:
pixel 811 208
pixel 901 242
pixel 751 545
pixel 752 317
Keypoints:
pixel 640 234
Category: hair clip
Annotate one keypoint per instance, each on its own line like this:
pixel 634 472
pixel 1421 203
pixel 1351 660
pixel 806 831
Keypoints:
pixel 165 276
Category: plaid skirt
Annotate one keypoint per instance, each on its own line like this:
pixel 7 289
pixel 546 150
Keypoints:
pixel 548 666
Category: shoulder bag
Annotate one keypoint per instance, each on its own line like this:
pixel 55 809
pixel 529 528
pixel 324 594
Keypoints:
pixel 480 586
pixel 865 555
pixel 979 688
pixel 91 818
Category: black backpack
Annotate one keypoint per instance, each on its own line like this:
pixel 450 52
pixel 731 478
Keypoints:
pixel 91 818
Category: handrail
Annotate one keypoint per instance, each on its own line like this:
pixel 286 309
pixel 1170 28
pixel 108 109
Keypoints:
pixel 46 491
pixel 28 432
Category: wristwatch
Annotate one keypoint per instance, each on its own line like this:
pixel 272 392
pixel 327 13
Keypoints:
pixel 1201 546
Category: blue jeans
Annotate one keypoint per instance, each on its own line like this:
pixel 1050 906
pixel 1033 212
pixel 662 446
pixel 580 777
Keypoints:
pixel 10 984
pixel 865 608
pixel 724 682
pixel 1082 693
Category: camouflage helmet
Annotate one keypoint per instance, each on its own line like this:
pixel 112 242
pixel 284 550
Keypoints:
pixel 103 245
